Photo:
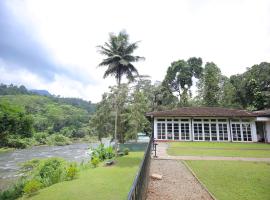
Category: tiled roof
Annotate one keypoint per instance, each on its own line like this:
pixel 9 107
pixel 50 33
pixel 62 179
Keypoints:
pixel 262 112
pixel 202 112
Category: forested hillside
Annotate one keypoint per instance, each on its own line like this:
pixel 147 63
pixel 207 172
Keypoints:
pixel 27 119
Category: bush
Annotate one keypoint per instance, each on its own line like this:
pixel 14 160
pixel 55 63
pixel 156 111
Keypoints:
pixel 109 152
pixel 21 143
pixel 41 137
pixel 103 153
pixel 95 161
pixel 14 192
pixel 51 171
pixel 58 139
pixel 72 171
pixel 126 151
pixel 32 187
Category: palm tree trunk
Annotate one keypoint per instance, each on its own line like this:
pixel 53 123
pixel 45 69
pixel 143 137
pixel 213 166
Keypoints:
pixel 116 114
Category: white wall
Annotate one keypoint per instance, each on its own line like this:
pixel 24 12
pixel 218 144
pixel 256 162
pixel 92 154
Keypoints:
pixel 267 128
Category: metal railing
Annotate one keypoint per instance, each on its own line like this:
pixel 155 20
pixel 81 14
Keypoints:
pixel 138 189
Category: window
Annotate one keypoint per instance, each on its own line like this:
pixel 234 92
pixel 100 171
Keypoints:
pixel 236 132
pixel 185 134
pixel 206 128
pixel 246 132
pixel 169 131
pixel 198 133
pixel 241 130
pixel 223 131
pixel 213 131
pixel 161 131
pixel 176 131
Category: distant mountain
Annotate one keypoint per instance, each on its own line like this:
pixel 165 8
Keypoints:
pixel 41 92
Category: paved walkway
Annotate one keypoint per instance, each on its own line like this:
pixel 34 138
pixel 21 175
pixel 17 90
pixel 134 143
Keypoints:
pixel 162 154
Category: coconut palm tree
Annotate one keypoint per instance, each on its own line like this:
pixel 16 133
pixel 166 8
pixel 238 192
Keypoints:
pixel 119 58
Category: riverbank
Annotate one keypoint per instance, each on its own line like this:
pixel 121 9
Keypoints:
pixel 10 161
pixel 92 183
pixel 6 149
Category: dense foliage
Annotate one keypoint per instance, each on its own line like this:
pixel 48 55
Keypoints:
pixel 27 119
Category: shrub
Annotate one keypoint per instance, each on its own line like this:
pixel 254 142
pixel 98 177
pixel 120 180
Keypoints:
pixel 110 152
pixel 41 137
pixel 51 171
pixel 126 151
pixel 103 153
pixel 58 139
pixel 72 171
pixel 32 187
pixel 14 192
pixel 21 143
pixel 95 161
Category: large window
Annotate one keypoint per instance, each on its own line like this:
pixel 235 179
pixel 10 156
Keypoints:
pixel 210 129
pixel 169 131
pixel 236 132
pixel 197 129
pixel 213 131
pixel 241 130
pixel 246 132
pixel 223 131
pixel 176 131
pixel 185 130
pixel 173 129
pixel 161 131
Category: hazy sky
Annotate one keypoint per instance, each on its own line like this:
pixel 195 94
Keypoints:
pixel 51 44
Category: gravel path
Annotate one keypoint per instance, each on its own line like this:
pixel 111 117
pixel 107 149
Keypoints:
pixel 177 182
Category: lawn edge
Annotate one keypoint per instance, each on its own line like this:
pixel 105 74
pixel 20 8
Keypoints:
pixel 200 182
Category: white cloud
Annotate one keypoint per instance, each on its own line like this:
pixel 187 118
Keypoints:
pixel 233 34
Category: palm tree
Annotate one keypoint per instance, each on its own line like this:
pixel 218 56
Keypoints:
pixel 118 51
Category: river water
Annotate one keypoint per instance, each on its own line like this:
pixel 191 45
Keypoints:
pixel 9 161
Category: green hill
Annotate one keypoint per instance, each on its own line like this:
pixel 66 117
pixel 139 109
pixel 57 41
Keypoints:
pixel 35 119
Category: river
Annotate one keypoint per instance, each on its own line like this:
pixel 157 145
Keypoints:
pixel 9 161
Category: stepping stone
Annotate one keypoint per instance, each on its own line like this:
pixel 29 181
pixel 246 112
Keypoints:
pixel 156 176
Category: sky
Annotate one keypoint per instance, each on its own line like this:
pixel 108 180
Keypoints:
pixel 52 44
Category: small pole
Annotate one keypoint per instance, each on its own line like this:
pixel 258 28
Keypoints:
pixel 155 149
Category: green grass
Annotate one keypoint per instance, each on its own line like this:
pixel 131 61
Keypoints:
pixel 234 180
pixel 112 182
pixel 257 150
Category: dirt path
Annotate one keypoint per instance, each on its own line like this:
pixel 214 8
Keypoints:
pixel 162 154
pixel 177 182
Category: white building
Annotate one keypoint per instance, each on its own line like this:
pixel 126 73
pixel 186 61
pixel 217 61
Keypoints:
pixel 210 124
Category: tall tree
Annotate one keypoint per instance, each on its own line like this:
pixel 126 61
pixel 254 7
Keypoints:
pixel 119 58
pixel 253 87
pixel 209 85
pixel 179 77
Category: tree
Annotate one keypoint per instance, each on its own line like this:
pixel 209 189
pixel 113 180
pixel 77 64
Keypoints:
pixel 135 116
pixel 102 120
pixel 227 97
pixel 179 76
pixel 253 87
pixel 209 85
pixel 119 58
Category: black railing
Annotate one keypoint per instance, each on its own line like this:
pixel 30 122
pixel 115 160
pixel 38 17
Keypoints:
pixel 138 190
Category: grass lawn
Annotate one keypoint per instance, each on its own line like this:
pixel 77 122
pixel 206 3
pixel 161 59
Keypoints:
pixel 258 150
pixel 234 180
pixel 100 183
